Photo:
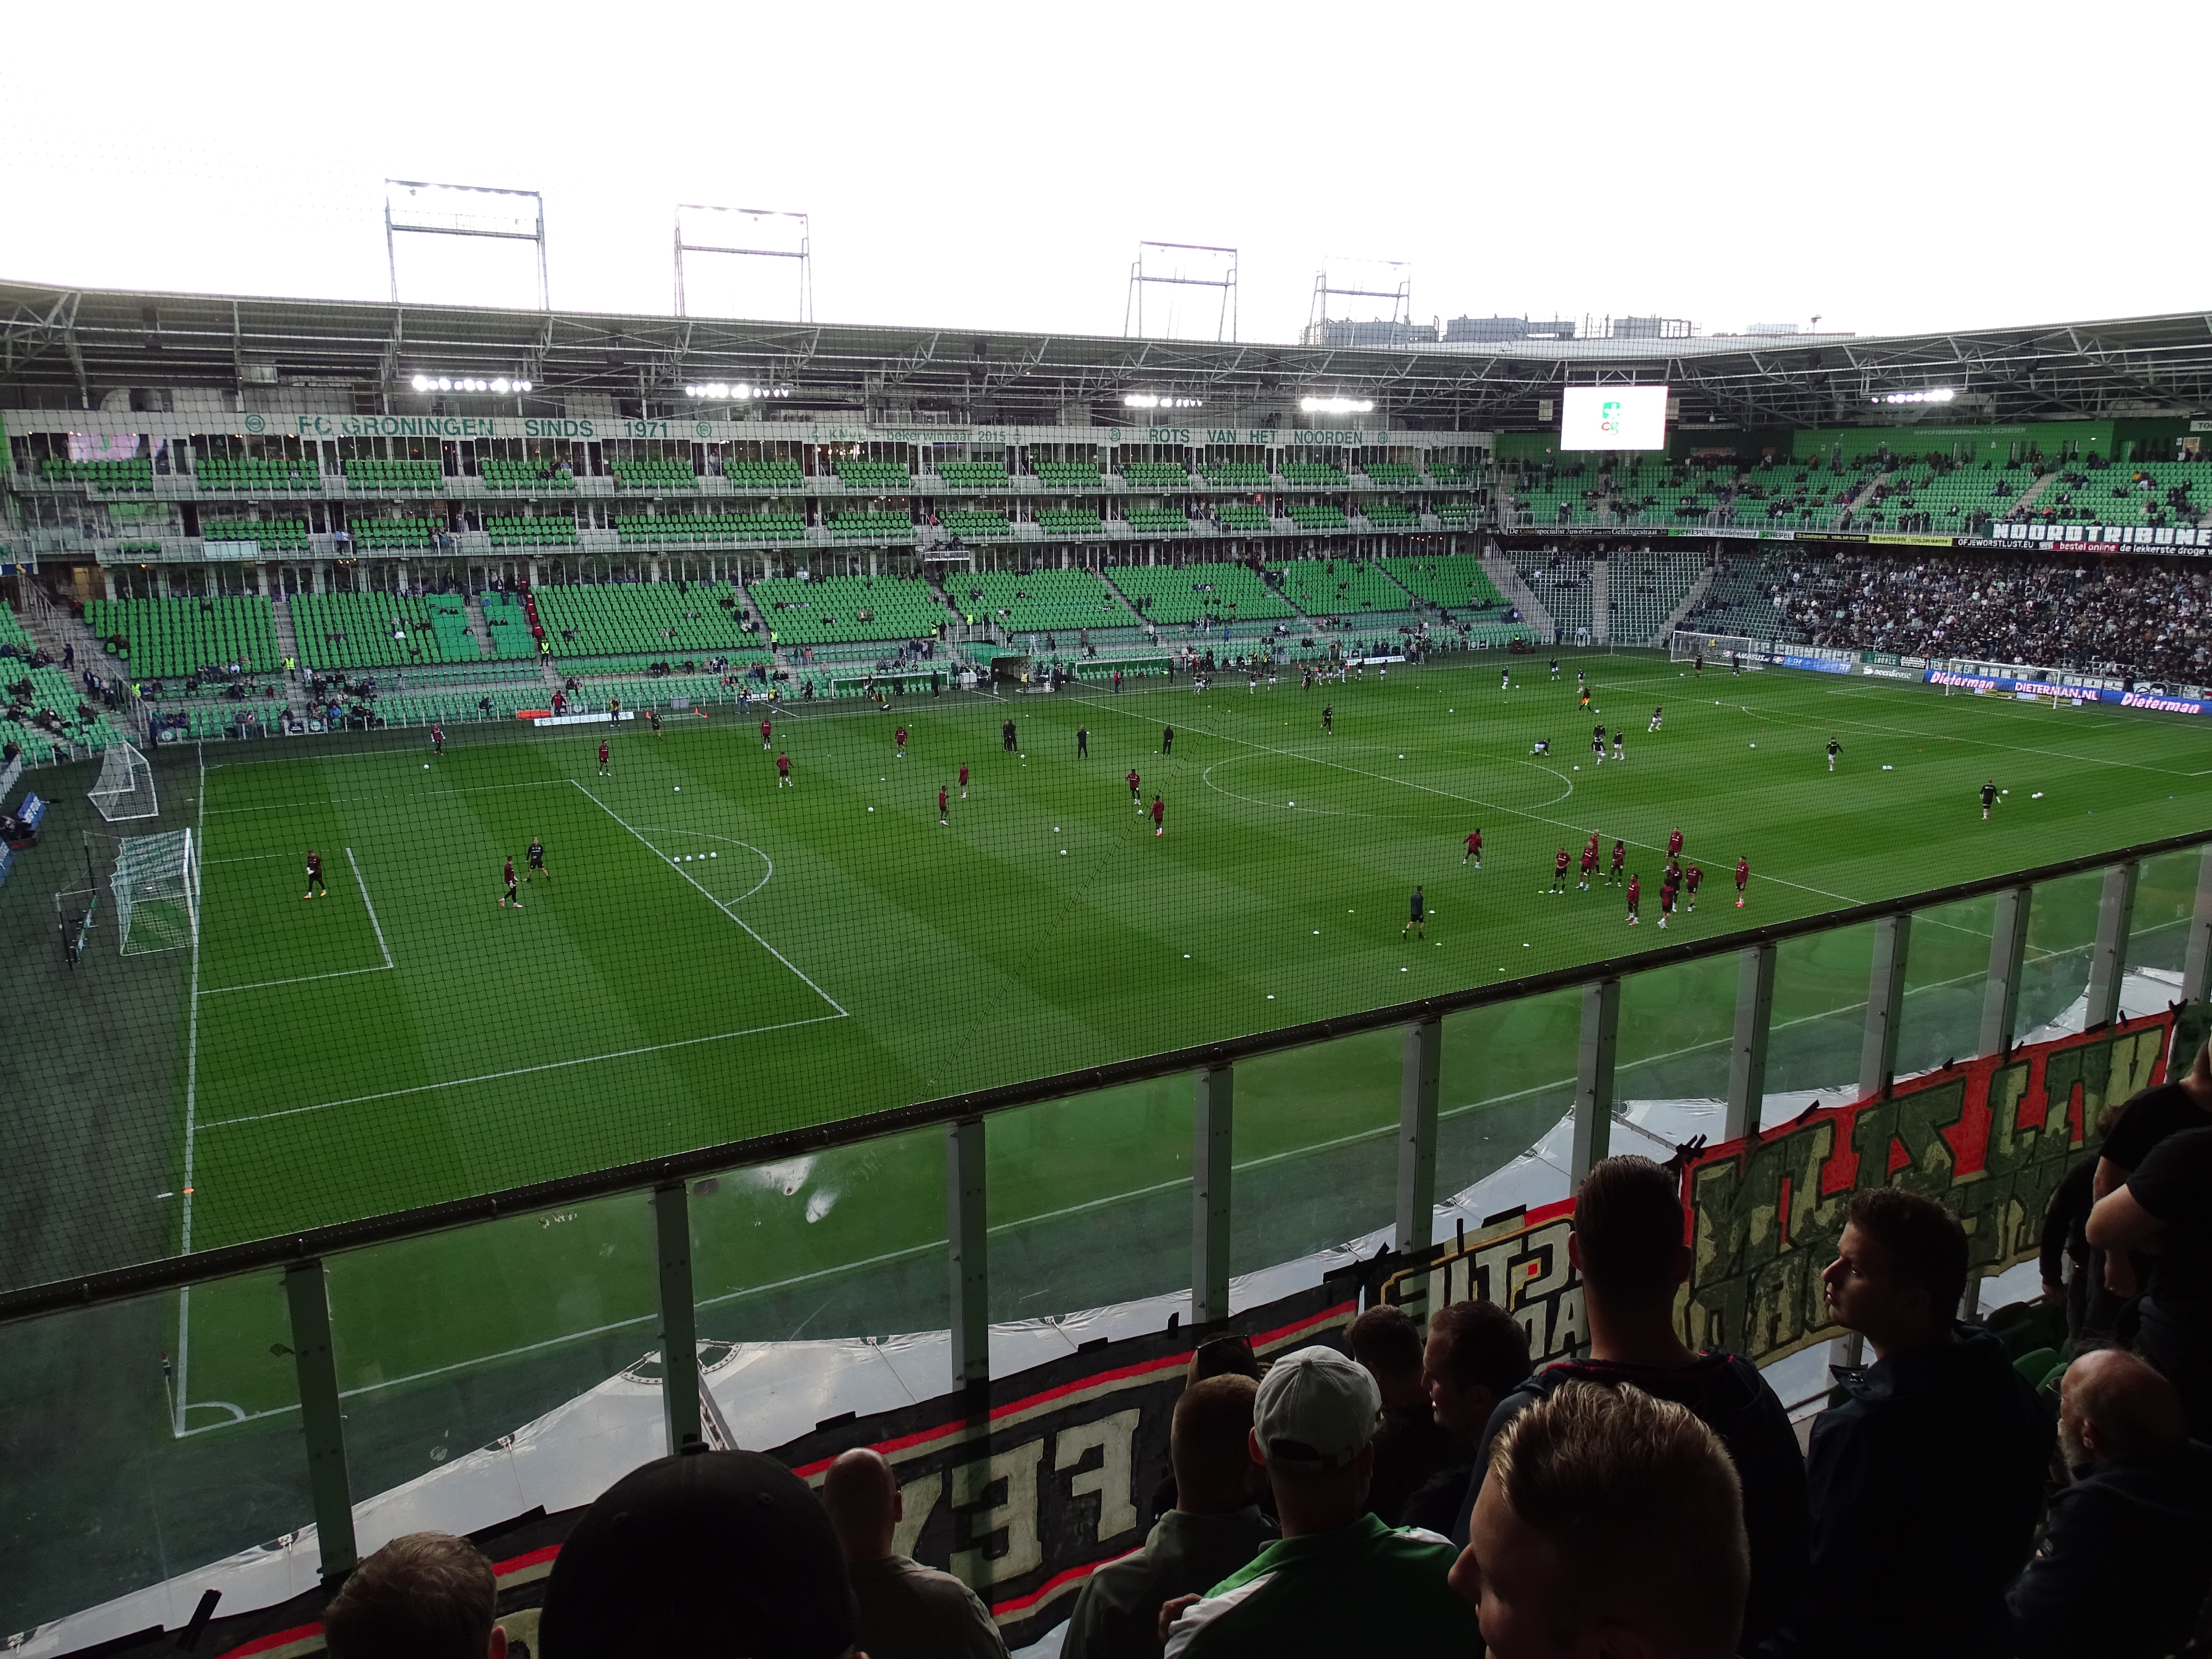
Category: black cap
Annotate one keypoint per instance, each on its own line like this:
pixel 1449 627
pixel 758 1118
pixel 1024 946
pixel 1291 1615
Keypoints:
pixel 732 1542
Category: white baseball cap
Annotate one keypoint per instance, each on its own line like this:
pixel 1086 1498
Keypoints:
pixel 1316 1409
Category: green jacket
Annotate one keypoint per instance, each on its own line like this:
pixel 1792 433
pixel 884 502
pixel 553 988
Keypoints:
pixel 1365 1588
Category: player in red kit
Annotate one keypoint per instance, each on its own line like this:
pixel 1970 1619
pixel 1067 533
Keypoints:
pixel 1132 780
pixel 783 772
pixel 765 729
pixel 510 896
pixel 1669 886
pixel 1589 865
pixel 1619 858
pixel 1474 850
pixel 1742 875
pixel 963 780
pixel 1635 894
pixel 943 803
pixel 438 740
pixel 1674 844
pixel 1159 817
pixel 315 876
pixel 1559 871
pixel 1690 878
pixel 902 743
pixel 606 771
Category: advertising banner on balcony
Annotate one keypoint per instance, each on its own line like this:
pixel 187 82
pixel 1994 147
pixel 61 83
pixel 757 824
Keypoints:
pixel 1990 1138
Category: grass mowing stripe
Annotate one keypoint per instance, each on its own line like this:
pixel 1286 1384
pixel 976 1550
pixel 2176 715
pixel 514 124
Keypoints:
pixel 370 905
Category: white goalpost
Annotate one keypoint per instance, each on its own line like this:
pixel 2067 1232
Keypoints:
pixel 1717 649
pixel 157 892
pixel 125 789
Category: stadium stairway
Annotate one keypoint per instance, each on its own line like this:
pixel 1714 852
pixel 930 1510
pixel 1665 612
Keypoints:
pixel 1681 612
pixel 1507 581
pixel 2027 500
pixel 479 629
pixel 1602 601
pixel 287 650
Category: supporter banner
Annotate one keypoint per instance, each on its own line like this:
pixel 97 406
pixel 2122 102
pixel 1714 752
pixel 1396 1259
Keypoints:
pixel 2143 697
pixel 1990 1138
pixel 2099 538
pixel 1817 664
pixel 1023 1501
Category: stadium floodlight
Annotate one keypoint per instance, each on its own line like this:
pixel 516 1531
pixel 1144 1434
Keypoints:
pixel 1361 279
pixel 417 207
pixel 1176 265
pixel 1336 405
pixel 125 789
pixel 1160 400
pixel 746 234
pixel 157 886
pixel 498 384
pixel 733 392
pixel 1938 394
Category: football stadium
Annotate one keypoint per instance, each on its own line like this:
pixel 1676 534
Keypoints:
pixel 476 1028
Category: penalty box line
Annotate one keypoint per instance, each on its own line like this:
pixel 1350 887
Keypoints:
pixel 368 904
pixel 710 898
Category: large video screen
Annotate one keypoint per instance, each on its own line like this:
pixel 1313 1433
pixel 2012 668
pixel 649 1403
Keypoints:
pixel 1613 417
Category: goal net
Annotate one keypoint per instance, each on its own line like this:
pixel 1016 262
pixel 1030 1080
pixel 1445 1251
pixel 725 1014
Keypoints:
pixel 1683 646
pixel 125 789
pixel 157 892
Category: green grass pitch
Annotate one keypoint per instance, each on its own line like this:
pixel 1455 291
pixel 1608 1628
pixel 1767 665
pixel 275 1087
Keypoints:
pixel 713 957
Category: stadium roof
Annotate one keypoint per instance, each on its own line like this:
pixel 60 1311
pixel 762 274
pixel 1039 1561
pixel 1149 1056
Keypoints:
pixel 67 347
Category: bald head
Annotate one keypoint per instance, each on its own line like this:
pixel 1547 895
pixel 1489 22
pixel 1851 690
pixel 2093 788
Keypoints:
pixel 862 1496
pixel 2114 1407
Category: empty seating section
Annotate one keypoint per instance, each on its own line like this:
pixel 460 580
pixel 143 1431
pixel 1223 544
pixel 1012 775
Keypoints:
pixel 1235 475
pixel 1390 515
pixel 1787 494
pixel 1339 587
pixel 1155 475
pixel 507 620
pixel 763 475
pixel 101 475
pixel 11 631
pixel 1044 601
pixel 449 620
pixel 1243 515
pixel 656 473
pixel 1561 582
pixel 370 474
pixel 555 529
pixel 847 608
pixel 1741 599
pixel 1398 473
pixel 527 475
pixel 875 475
pixel 281 535
pixel 366 630
pixel 1196 592
pixel 216 473
pixel 1457 511
pixel 171 639
pixel 974 521
pixel 974 475
pixel 2135 493
pixel 1455 581
pixel 393 532
pixel 1451 472
pixel 856 527
pixel 1642 589
pixel 641 619
pixel 1567 494
pixel 1067 475
pixel 1158 520
pixel 1316 515
pixel 662 527
pixel 1070 521
pixel 1314 473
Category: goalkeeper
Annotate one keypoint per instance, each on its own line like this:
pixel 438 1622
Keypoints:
pixel 315 876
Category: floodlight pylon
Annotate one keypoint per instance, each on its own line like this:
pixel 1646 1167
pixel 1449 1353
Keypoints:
pixel 1398 273
pixel 757 225
pixel 1174 276
pixel 417 216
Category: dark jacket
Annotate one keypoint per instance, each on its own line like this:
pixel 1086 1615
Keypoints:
pixel 1727 1394
pixel 1926 1483
pixel 2123 1566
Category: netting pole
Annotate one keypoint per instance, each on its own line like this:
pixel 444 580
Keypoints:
pixel 1893 944
pixel 1594 1070
pixel 2197 961
pixel 2008 956
pixel 2108 968
pixel 321 1420
pixel 1213 1124
pixel 967 1232
pixel 1754 1017
pixel 679 1335
pixel 1416 1135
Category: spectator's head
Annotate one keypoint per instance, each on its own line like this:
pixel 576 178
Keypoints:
pixel 862 1496
pixel 1223 1356
pixel 1901 1269
pixel 1627 1239
pixel 1209 1443
pixel 1476 1354
pixel 428 1594
pixel 1610 1523
pixel 2115 1407
pixel 1313 1426
pixel 1384 1341
pixel 701 1553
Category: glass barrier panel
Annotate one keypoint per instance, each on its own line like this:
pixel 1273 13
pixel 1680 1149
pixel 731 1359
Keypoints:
pixel 1820 1020
pixel 1317 1149
pixel 1505 1086
pixel 2166 898
pixel 1946 973
pixel 844 1243
pixel 1676 1026
pixel 2062 937
pixel 447 1342
pixel 1090 1198
pixel 141 1442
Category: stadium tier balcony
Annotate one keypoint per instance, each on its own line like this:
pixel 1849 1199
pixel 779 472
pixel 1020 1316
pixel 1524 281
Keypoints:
pixel 1243 515
pixel 1314 474
pixel 1235 475
pixel 836 609
pixel 1166 595
pixel 1397 474
pixel 973 523
pixel 275 535
pixel 1316 515
pixel 658 528
pixel 1338 587
pixel 527 475
pixel 974 475
pixel 1070 521
pixel 654 474
pixel 1157 521
pixel 1451 472
pixel 174 639
pixel 369 474
pixel 273 476
pixel 1068 475
pixel 871 526
pixel 121 476
pixel 763 475
pixel 1460 514
pixel 383 534
pixel 1042 601
pixel 552 530
pixel 1390 515
pixel 1154 475
pixel 1455 581
pixel 875 475
pixel 630 619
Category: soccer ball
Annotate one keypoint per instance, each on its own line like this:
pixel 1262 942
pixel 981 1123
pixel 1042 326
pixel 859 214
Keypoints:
pixel 871 809
pixel 426 766
pixel 679 788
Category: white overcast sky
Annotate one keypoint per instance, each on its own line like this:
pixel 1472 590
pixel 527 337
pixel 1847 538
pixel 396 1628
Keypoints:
pixel 1886 166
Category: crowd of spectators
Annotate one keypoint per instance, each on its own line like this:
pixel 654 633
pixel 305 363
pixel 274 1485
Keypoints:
pixel 2135 618
pixel 1433 1494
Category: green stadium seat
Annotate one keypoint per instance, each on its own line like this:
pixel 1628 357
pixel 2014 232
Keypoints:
pixel 275 535
pixel 1067 475
pixel 271 476
pixel 527 475
pixel 653 474
pixel 1042 601
pixel 646 619
pixel 1235 475
pixel 1155 475
pixel 1312 473
pixel 763 475
pixel 974 475
pixel 370 474
pixel 876 476
pixel 835 609
pixel 173 639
